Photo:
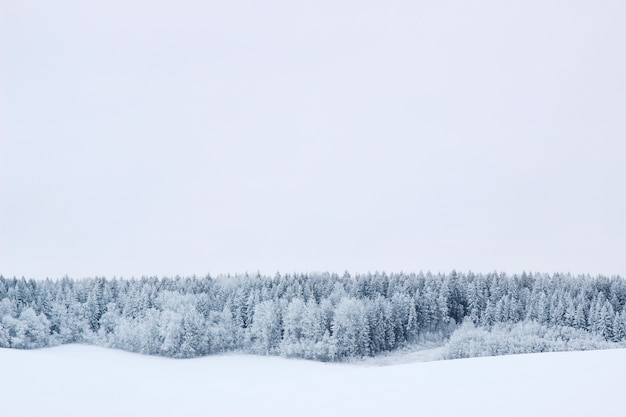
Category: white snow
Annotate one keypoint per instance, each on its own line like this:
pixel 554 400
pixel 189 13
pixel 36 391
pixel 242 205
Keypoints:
pixel 90 381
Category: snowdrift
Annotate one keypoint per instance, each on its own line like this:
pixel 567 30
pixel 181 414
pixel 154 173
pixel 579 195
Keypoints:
pixel 78 380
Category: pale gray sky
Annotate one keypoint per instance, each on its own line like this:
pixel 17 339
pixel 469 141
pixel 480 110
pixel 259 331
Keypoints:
pixel 180 137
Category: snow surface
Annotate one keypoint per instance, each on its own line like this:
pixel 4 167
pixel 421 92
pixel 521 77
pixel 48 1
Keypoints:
pixel 91 381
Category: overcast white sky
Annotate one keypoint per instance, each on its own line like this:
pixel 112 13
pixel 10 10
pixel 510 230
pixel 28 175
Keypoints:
pixel 180 137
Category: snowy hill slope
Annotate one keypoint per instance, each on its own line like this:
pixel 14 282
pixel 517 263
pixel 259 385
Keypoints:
pixel 90 381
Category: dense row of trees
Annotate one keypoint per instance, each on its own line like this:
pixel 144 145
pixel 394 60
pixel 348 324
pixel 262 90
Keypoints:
pixel 318 316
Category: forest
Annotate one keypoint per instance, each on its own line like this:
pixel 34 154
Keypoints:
pixel 320 316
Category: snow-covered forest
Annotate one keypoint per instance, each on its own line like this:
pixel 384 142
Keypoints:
pixel 318 316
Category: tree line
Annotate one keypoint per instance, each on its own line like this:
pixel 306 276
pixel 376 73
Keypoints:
pixel 320 316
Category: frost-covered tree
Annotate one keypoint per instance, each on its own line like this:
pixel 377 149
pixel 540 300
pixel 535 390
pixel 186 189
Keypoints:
pixel 350 329
pixel 265 332
pixel 294 337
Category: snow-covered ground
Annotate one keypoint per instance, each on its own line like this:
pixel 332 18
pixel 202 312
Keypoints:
pixel 90 381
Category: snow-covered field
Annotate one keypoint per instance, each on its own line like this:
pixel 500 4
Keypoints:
pixel 90 381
